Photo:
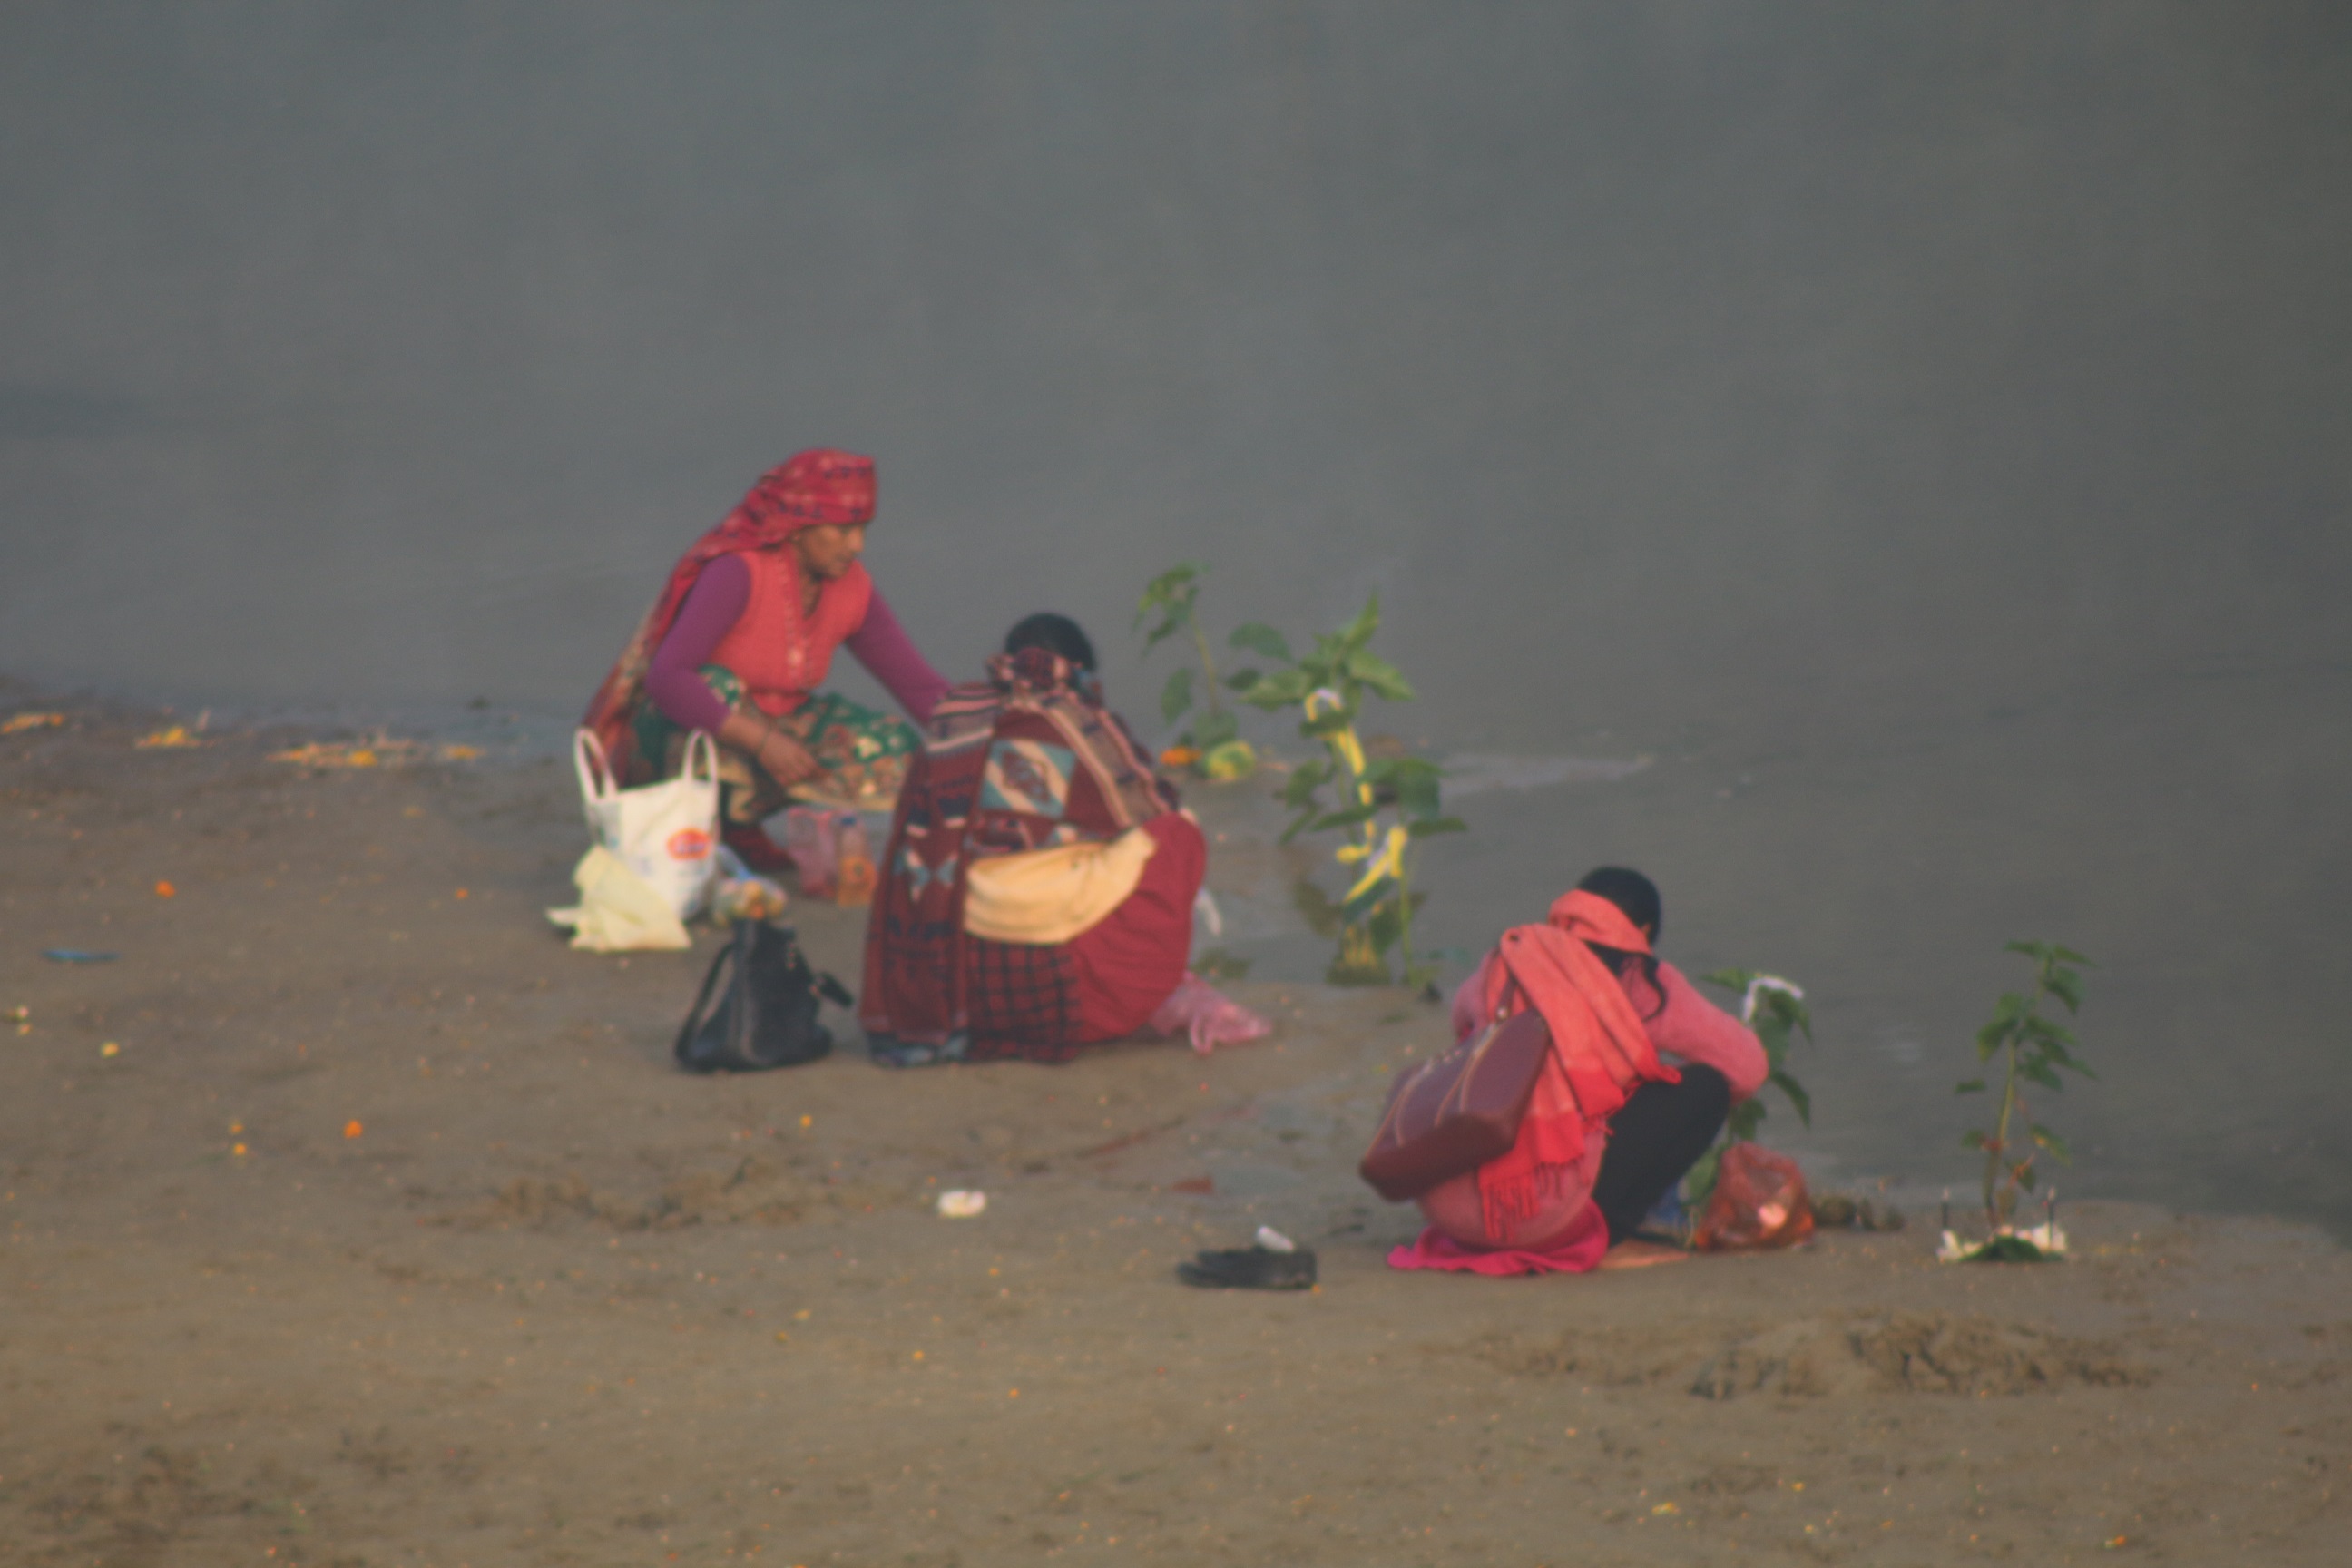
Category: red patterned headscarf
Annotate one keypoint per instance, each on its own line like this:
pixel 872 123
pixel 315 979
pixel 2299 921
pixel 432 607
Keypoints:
pixel 822 485
pixel 808 489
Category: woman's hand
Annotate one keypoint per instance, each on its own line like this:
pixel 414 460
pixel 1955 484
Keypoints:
pixel 783 758
pixel 786 760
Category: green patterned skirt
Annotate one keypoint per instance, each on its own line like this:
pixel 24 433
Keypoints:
pixel 863 753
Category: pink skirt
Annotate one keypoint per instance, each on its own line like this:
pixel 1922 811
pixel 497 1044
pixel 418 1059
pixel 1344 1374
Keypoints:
pixel 1566 1234
pixel 1575 1250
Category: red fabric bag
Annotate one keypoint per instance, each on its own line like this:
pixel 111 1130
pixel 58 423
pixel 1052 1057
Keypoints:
pixel 1759 1201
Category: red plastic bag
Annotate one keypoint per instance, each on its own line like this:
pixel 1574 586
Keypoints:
pixel 1759 1201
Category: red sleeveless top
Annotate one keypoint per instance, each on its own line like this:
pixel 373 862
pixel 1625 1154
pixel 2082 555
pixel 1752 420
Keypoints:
pixel 778 653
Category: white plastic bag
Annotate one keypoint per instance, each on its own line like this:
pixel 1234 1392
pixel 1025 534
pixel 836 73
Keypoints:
pixel 618 912
pixel 664 832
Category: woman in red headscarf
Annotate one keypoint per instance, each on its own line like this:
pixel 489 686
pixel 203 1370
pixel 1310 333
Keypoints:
pixel 1614 1123
pixel 742 637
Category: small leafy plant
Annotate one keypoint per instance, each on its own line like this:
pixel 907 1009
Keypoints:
pixel 1384 806
pixel 2032 1049
pixel 1212 744
pixel 1776 1010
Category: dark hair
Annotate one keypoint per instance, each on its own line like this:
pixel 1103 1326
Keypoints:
pixel 1630 891
pixel 1055 634
pixel 1637 896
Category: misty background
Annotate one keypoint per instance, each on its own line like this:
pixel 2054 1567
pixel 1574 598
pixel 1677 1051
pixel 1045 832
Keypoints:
pixel 1922 432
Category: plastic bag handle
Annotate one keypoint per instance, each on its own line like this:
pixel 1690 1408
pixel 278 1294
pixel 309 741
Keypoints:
pixel 596 782
pixel 701 744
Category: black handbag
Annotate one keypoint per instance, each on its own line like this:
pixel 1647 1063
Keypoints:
pixel 766 1012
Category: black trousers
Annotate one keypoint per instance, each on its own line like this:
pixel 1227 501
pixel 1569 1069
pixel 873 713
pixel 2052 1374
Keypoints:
pixel 1655 1136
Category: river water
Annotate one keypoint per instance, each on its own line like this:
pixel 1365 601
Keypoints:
pixel 1916 436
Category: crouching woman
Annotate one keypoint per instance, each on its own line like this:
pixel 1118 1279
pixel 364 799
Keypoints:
pixel 1643 1072
pixel 1036 895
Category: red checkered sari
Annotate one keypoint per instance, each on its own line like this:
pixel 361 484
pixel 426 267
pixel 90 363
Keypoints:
pixel 1019 762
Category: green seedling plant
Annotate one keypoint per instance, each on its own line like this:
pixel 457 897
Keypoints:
pixel 1383 806
pixel 1776 1010
pixel 2032 1048
pixel 1214 739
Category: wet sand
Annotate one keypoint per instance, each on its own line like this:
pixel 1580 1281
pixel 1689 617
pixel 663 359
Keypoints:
pixel 550 1302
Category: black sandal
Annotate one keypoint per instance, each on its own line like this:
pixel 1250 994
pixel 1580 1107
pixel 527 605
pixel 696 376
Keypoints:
pixel 1250 1269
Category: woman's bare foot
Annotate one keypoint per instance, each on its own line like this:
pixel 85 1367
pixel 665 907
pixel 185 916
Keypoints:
pixel 1633 1254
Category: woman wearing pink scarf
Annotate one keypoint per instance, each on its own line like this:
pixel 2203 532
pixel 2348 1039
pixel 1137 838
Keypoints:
pixel 1643 1070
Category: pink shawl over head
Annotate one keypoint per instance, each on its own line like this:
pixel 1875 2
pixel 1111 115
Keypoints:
pixel 1600 1052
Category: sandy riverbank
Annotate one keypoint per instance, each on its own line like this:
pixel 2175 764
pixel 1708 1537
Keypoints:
pixel 555 1303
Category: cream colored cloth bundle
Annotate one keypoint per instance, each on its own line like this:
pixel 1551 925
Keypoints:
pixel 1047 896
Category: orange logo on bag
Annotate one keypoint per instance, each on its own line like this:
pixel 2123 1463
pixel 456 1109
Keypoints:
pixel 689 844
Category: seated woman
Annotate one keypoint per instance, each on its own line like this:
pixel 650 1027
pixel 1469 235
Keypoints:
pixel 1644 1071
pixel 742 637
pixel 1036 895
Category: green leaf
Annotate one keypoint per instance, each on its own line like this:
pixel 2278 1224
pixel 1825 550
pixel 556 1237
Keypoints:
pixel 1381 675
pixel 1730 979
pixel 1745 1118
pixel 2022 1175
pixel 1176 696
pixel 2043 1032
pixel 1783 1012
pixel 2067 986
pixel 2051 1142
pixel 1399 771
pixel 1305 780
pixel 1974 1085
pixel 1429 826
pixel 1972 1138
pixel 1797 1095
pixel 1330 721
pixel 1700 1182
pixel 1346 817
pixel 1244 679
pixel 1172 588
pixel 1259 637
pixel 1213 730
pixel 1279 690
pixel 1358 632
pixel 1416 781
pixel 1297 826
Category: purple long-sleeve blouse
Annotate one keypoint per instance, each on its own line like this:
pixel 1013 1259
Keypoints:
pixel 674 680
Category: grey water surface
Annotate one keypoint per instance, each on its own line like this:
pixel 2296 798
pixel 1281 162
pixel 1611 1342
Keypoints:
pixel 1924 433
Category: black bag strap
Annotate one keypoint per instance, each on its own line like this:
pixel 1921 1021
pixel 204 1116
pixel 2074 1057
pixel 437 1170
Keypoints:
pixel 821 981
pixel 694 1018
